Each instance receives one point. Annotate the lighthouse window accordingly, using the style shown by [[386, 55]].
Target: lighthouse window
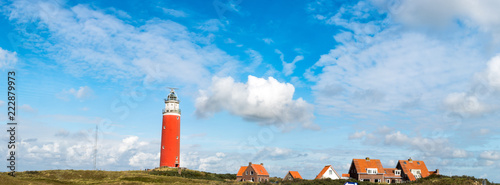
[[177, 137], [177, 117], [176, 157], [162, 147], [163, 127]]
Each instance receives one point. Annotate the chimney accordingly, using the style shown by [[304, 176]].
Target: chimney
[[250, 163], [262, 164], [437, 171], [410, 160], [367, 159]]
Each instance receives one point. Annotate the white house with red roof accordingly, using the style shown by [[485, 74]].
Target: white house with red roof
[[328, 172]]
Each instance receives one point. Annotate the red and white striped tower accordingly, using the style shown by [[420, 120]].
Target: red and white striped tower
[[170, 132]]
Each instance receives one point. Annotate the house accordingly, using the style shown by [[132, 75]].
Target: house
[[328, 172], [367, 169], [412, 170], [292, 175], [392, 175], [253, 173], [345, 176]]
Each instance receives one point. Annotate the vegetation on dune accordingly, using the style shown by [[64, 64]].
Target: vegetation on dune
[[193, 174], [433, 179], [171, 176]]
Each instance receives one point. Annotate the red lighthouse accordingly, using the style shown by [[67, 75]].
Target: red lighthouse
[[170, 132]]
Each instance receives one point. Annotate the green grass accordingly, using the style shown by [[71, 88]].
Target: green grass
[[171, 176]]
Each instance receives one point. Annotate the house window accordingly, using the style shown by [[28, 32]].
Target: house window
[[253, 179], [388, 181], [251, 173], [397, 172], [416, 173], [246, 173], [366, 180], [371, 170], [260, 180], [378, 180], [330, 172]]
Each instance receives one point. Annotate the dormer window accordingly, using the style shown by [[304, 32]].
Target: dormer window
[[416, 173], [371, 170], [397, 172]]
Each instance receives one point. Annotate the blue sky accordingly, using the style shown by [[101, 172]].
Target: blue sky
[[295, 85]]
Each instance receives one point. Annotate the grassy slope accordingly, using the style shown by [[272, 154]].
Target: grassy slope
[[105, 177], [170, 176]]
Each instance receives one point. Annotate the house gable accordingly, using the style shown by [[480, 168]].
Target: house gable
[[409, 166], [252, 172], [291, 175], [328, 172]]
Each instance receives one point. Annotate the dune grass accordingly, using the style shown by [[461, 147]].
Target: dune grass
[[99, 177], [171, 176]]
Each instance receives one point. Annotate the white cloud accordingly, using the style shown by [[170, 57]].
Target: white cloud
[[76, 150], [7, 59], [267, 102], [273, 153], [358, 135], [212, 25], [464, 104], [229, 41], [430, 147], [481, 97], [268, 40], [255, 60], [82, 93], [381, 67], [27, 108], [490, 155], [175, 13], [492, 73], [88, 41], [445, 14], [219, 162], [144, 160], [288, 67]]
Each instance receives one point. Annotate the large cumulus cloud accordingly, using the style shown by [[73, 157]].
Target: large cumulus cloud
[[265, 101]]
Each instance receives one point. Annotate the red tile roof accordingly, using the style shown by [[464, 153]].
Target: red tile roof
[[240, 172], [345, 175], [259, 169], [295, 174], [408, 165], [389, 172], [362, 164], [324, 170]]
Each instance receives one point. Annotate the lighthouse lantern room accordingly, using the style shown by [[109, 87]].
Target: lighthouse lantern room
[[170, 132]]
